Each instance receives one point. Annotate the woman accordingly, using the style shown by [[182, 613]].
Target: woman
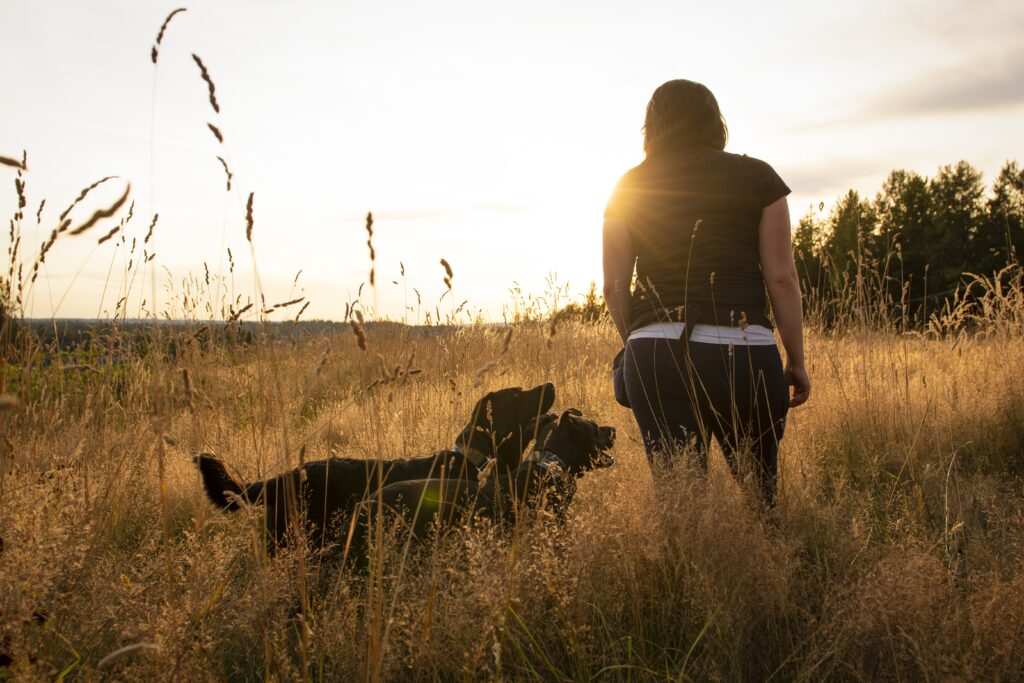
[[707, 232]]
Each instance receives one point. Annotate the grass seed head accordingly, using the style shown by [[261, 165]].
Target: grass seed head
[[154, 54], [285, 304], [373, 253], [485, 471], [323, 361], [205, 74], [552, 330], [8, 161], [152, 226], [482, 371], [356, 322], [447, 273], [189, 391], [507, 341], [301, 311], [100, 214], [248, 218], [235, 315], [82, 195], [113, 231], [216, 132], [227, 172]]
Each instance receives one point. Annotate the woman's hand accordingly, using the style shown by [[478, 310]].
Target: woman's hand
[[796, 376]]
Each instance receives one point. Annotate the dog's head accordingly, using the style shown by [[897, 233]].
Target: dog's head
[[580, 443], [498, 424]]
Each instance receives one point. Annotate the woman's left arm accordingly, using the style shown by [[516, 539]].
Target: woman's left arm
[[619, 260]]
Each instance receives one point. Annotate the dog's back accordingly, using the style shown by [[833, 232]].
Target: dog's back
[[322, 491]]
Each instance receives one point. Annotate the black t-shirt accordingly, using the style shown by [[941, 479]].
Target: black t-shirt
[[693, 219]]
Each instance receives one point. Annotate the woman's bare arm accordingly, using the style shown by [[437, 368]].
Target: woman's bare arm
[[619, 259], [775, 244]]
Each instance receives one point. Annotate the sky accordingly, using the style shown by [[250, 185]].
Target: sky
[[489, 134]]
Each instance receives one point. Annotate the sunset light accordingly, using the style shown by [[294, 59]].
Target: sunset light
[[491, 138], [462, 340]]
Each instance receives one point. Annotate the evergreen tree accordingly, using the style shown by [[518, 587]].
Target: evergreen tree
[[807, 250], [851, 227], [1005, 210], [903, 208], [958, 243]]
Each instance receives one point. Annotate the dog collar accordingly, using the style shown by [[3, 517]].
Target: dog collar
[[476, 458], [545, 459]]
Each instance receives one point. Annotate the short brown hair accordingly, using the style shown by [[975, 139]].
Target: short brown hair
[[683, 113]]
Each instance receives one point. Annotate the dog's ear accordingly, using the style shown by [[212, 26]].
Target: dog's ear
[[540, 427], [569, 412], [494, 398], [490, 404], [547, 396]]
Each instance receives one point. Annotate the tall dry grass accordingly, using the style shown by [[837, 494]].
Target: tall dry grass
[[896, 552]]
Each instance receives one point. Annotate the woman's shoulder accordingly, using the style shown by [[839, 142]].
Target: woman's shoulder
[[744, 161], [695, 159], [760, 176], [703, 162], [632, 174], [631, 182], [623, 201]]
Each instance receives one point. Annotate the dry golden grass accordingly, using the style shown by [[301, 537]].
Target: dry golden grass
[[896, 551]]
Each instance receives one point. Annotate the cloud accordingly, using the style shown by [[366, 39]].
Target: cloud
[[967, 22], [830, 175], [990, 84]]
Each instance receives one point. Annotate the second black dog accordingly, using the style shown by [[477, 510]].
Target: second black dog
[[567, 447]]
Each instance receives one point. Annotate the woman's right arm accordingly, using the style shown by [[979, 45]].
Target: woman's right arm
[[775, 244], [619, 258]]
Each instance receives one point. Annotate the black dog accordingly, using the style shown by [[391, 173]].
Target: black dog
[[327, 491], [567, 447]]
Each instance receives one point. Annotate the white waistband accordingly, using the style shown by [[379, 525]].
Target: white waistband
[[751, 335]]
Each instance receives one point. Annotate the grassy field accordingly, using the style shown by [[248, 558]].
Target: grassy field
[[897, 551]]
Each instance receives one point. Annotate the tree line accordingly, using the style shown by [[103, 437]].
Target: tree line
[[915, 241]]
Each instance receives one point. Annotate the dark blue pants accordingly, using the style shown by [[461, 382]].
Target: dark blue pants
[[683, 393]]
